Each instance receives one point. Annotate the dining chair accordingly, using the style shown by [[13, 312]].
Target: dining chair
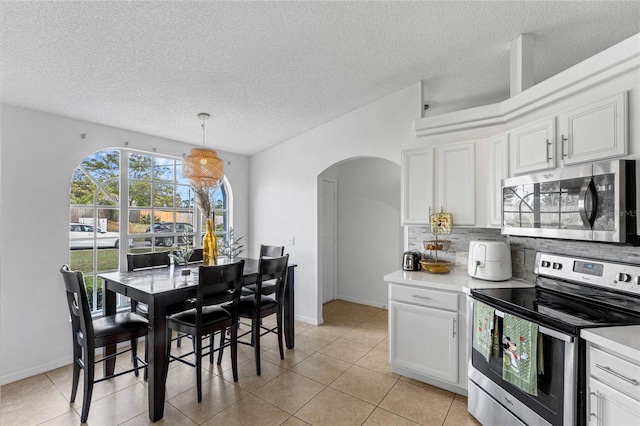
[[137, 261], [88, 334], [218, 294], [196, 256], [267, 300], [265, 251]]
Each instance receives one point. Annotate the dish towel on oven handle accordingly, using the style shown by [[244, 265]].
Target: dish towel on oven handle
[[483, 321], [520, 353]]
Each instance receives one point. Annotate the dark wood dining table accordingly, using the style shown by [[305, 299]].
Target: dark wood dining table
[[165, 291]]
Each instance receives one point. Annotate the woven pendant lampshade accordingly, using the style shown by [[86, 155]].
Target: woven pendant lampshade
[[202, 166]]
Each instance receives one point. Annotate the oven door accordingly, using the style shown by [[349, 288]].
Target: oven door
[[556, 400]]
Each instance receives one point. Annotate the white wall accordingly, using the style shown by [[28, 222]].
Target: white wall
[[284, 181], [370, 237], [40, 151]]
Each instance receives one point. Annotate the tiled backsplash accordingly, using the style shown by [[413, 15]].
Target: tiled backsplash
[[460, 238]]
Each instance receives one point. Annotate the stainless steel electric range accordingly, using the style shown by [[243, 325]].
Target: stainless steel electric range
[[570, 294]]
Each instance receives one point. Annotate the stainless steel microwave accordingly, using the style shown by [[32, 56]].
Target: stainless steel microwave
[[594, 202]]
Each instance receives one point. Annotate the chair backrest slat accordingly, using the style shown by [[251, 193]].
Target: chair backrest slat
[[271, 251], [137, 261], [219, 284], [77, 301], [274, 270]]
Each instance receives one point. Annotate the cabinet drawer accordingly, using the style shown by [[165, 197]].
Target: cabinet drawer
[[615, 372], [424, 297]]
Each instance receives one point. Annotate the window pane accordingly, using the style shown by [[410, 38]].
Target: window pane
[[163, 169], [107, 259], [139, 194], [219, 200], [82, 188], [103, 165], [184, 196], [139, 167], [163, 195], [179, 178]]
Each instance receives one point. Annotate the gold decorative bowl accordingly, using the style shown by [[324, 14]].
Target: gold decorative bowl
[[436, 267]]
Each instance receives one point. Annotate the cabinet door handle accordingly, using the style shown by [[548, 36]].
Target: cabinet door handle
[[563, 139], [548, 156], [634, 382], [417, 296], [454, 328]]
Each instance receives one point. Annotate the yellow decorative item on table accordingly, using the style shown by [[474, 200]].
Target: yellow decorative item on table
[[209, 246]]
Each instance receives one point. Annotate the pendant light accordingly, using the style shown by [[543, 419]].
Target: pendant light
[[202, 166]]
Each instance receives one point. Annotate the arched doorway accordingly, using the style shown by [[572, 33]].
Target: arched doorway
[[359, 232]]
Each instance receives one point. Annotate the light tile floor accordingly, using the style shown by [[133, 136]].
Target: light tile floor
[[337, 374]]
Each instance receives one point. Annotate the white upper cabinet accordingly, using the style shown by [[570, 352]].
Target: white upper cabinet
[[594, 131], [457, 182], [532, 146], [417, 186], [450, 188], [498, 169]]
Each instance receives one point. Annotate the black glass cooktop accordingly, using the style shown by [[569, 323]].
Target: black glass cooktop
[[564, 306]]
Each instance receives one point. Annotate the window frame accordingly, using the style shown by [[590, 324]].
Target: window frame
[[123, 209]]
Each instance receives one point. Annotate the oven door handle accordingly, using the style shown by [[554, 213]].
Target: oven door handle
[[545, 330]]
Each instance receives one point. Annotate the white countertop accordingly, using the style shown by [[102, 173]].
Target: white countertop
[[624, 340], [456, 280]]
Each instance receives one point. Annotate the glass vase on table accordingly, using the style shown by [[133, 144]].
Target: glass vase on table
[[181, 255]]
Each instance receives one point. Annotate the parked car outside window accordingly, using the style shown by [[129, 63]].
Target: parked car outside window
[[82, 235], [170, 227]]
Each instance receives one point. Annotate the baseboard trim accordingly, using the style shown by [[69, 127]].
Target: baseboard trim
[[34, 371], [362, 301]]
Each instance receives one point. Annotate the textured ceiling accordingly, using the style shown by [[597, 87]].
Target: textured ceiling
[[268, 71]]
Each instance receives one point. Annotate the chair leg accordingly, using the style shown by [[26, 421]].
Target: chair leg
[[255, 337], [198, 352], [234, 352], [134, 355], [146, 357], [168, 354], [211, 338], [222, 339], [279, 325], [77, 356], [179, 339], [89, 370]]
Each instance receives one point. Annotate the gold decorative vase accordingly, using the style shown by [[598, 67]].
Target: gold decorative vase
[[209, 246]]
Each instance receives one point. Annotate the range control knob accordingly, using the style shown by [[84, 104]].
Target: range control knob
[[625, 278], [545, 264], [557, 266]]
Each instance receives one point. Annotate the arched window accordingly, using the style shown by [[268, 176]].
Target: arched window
[[142, 199]]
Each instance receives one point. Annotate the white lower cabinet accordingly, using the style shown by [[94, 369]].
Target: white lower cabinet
[[614, 389], [610, 407], [427, 336]]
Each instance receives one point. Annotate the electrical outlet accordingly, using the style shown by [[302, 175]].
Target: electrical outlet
[[520, 257], [292, 241]]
